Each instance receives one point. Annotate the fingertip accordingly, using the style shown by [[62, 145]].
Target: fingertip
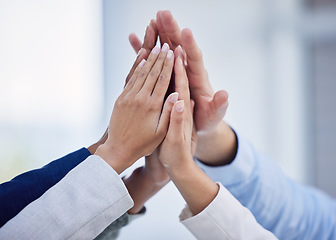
[[186, 34], [179, 106], [131, 36], [222, 95], [135, 42], [178, 51], [158, 14], [166, 14], [221, 99], [173, 97], [152, 22], [142, 63]]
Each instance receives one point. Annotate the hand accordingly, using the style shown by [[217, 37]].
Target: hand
[[137, 125], [217, 143], [177, 145], [151, 35], [210, 107], [149, 43], [176, 150], [146, 181]]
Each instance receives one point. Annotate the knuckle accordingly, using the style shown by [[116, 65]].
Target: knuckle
[[154, 72], [163, 77], [139, 99], [125, 101], [142, 74], [179, 120]]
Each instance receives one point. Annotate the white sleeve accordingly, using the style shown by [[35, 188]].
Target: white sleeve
[[80, 206], [224, 218]]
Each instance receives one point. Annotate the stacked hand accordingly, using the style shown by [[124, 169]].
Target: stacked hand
[[142, 124], [137, 124], [216, 140]]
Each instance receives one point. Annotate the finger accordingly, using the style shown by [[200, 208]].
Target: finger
[[178, 52], [143, 73], [143, 53], [161, 31], [135, 42], [175, 129], [219, 104], [181, 80], [131, 82], [150, 36], [156, 73], [166, 111], [194, 54], [163, 80], [171, 28]]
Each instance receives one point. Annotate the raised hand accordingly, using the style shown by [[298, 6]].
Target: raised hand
[[210, 106], [176, 151], [217, 142], [177, 144], [137, 125]]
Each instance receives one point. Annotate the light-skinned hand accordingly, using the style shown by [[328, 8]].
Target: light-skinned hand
[[137, 125]]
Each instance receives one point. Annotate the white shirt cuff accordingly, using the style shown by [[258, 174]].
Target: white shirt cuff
[[224, 218]]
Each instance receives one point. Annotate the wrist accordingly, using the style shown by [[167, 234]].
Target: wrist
[[181, 167], [158, 177], [114, 158], [217, 147], [93, 148]]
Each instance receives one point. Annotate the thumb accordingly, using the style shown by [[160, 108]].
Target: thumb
[[219, 104]]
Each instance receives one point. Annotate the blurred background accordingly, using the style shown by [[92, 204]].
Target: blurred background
[[63, 63]]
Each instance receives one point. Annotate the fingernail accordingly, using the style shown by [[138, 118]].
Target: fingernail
[[156, 50], [179, 106], [170, 54], [173, 97], [140, 51], [143, 61], [165, 47], [179, 60]]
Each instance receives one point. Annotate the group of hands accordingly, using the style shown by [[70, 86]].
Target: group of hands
[[167, 131]]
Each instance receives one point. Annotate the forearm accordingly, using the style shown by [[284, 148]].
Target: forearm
[[79, 206], [218, 147], [141, 186], [197, 189], [16, 194], [281, 205]]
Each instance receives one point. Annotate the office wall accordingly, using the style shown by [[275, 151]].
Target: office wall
[[51, 79]]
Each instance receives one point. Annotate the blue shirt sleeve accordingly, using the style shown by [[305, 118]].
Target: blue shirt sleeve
[[287, 208], [25, 188]]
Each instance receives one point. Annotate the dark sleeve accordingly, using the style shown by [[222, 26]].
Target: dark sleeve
[[25, 188]]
